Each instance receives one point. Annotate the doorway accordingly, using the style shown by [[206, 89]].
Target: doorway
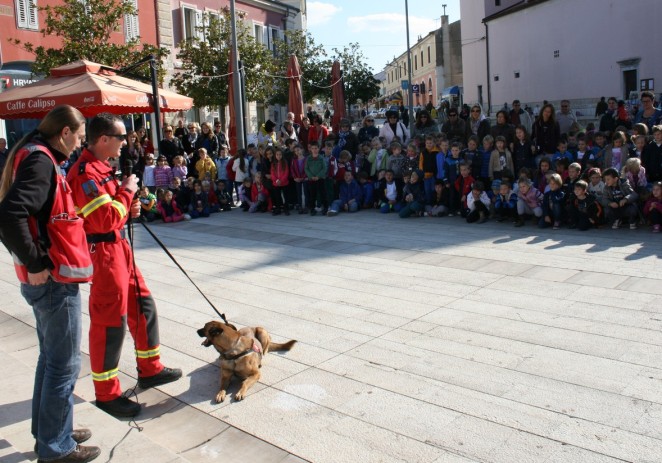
[[629, 82]]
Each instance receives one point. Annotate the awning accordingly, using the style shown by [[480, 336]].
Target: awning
[[395, 97], [91, 88], [454, 90]]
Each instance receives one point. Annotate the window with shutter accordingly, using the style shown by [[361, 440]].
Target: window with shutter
[[258, 32], [131, 30], [189, 23], [26, 14], [199, 26]]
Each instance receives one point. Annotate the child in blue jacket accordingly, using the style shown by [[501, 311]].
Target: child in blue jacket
[[351, 196], [553, 203]]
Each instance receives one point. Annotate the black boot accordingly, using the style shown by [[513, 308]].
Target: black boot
[[167, 375], [120, 407]]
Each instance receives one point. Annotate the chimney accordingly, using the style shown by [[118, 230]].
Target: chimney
[[444, 20]]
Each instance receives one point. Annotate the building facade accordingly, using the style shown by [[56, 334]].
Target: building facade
[[164, 23], [178, 20], [551, 50], [22, 20], [436, 64]]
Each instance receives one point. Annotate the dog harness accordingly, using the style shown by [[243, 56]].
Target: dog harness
[[255, 348]]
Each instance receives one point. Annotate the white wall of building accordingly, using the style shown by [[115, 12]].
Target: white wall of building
[[590, 38], [474, 67]]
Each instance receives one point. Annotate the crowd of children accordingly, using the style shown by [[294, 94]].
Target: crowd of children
[[586, 183]]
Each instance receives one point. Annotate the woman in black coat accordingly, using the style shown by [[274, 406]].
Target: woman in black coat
[[368, 131], [546, 132]]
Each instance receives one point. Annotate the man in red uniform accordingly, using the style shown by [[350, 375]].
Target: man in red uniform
[[118, 292]]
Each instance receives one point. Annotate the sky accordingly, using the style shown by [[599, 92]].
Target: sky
[[379, 26]]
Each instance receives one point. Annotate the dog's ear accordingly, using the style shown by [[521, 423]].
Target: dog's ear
[[214, 331]]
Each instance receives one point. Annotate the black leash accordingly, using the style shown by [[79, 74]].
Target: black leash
[[165, 249]]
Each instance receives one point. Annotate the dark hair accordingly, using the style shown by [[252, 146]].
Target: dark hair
[[647, 94], [101, 125], [241, 154], [439, 181], [478, 185], [581, 184], [552, 116], [610, 172], [313, 143]]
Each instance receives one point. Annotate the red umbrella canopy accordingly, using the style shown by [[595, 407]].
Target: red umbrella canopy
[[89, 87], [232, 123], [338, 96], [295, 97]]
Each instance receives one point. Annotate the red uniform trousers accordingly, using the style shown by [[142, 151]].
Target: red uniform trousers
[[113, 301]]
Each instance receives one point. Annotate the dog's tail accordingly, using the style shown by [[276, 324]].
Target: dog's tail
[[286, 346]]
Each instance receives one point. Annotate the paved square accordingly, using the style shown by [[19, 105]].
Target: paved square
[[420, 340]]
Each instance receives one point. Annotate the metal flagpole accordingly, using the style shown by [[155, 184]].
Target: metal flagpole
[[236, 83]]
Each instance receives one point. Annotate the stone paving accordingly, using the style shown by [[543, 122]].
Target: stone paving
[[420, 340]]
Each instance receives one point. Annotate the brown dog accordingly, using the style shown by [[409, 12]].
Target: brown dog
[[241, 353]]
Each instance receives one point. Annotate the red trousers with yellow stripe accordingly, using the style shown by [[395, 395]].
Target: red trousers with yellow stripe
[[114, 301]]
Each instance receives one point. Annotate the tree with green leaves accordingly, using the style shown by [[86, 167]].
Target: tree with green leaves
[[205, 57], [311, 61], [85, 28], [359, 83]]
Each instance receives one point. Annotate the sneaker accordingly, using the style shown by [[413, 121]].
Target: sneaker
[[616, 224], [165, 376], [81, 454], [331, 213], [78, 435], [324, 211], [633, 226], [120, 407], [483, 218], [556, 225], [656, 228], [451, 214], [313, 212], [187, 217], [519, 223]]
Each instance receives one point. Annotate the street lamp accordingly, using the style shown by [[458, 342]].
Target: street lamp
[[409, 92]]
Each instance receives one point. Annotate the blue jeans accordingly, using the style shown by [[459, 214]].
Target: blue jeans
[[338, 206], [57, 309], [408, 209]]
